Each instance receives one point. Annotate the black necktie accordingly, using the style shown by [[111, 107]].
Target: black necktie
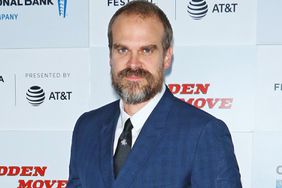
[[123, 147]]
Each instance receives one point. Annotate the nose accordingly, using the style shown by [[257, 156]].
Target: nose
[[134, 61]]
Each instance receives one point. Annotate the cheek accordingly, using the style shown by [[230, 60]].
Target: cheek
[[115, 68], [118, 61], [155, 66], [113, 63]]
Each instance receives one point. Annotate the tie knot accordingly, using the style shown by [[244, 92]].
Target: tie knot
[[127, 126]]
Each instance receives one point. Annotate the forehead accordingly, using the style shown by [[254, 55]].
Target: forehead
[[149, 16], [137, 26]]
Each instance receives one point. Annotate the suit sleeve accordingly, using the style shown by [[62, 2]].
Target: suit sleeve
[[74, 180], [215, 164]]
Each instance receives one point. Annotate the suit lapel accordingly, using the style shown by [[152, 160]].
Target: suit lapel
[[106, 147], [145, 144]]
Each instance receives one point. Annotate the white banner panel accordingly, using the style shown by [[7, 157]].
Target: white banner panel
[[34, 158], [101, 89], [217, 79], [225, 22], [269, 17], [44, 89], [217, 22], [243, 144], [267, 165], [44, 23], [269, 88]]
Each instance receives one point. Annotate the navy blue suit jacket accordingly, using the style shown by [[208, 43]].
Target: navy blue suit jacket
[[179, 146]]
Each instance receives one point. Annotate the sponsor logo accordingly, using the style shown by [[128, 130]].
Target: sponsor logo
[[35, 95], [190, 92], [122, 2], [197, 9], [224, 8], [1, 79], [12, 16], [60, 95], [31, 172], [62, 7], [277, 86], [25, 2]]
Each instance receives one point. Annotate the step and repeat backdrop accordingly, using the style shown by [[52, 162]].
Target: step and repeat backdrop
[[54, 65]]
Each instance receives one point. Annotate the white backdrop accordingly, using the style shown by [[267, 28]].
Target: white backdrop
[[235, 50]]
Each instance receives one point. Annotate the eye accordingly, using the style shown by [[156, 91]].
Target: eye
[[147, 50], [122, 50]]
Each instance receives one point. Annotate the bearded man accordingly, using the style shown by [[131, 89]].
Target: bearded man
[[148, 138]]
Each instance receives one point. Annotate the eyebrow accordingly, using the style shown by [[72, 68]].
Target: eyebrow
[[115, 46], [151, 46]]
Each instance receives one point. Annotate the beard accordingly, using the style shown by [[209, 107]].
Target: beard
[[134, 92]]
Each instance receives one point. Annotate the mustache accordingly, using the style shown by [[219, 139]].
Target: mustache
[[134, 72]]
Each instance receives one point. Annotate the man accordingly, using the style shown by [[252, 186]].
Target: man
[[149, 138]]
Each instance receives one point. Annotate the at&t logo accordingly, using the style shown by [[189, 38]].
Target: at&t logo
[[224, 8], [197, 9], [60, 95], [35, 95], [62, 7]]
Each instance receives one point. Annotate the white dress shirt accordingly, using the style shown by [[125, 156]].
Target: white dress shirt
[[138, 119]]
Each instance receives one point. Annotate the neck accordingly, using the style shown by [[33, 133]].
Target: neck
[[131, 109]]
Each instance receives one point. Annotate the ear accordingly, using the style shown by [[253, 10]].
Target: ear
[[110, 56], [110, 59], [168, 58]]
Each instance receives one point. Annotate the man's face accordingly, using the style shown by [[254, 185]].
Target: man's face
[[137, 58]]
